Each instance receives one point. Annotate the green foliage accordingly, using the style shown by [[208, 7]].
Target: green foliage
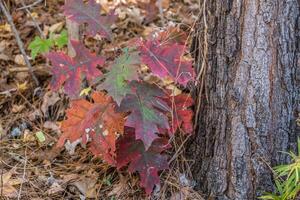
[[287, 179], [62, 39], [123, 70], [40, 46]]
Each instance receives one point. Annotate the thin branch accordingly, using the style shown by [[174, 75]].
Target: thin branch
[[19, 41], [24, 174], [34, 21], [31, 5]]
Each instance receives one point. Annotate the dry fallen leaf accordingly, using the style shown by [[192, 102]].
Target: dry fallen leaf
[[5, 27], [50, 98], [28, 136], [52, 126], [119, 188], [4, 57], [174, 89], [55, 28], [54, 188], [22, 86], [17, 108], [87, 187], [7, 189], [19, 59]]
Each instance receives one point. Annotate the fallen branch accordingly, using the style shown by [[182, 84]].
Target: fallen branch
[[25, 69], [19, 41]]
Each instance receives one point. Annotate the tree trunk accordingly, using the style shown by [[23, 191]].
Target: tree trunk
[[251, 95]]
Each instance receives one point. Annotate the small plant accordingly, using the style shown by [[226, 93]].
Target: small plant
[[125, 120], [287, 179], [40, 46]]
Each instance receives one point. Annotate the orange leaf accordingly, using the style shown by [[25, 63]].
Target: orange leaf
[[98, 122]]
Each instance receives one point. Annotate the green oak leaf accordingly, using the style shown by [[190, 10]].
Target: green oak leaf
[[39, 45], [122, 72], [147, 111], [62, 39]]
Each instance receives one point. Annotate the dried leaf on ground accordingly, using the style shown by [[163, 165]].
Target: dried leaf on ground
[[49, 99], [121, 187], [8, 188], [87, 187]]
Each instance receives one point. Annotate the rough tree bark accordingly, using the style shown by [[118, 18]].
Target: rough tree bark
[[251, 96]]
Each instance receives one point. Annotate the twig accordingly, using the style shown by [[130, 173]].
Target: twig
[[74, 34], [204, 66], [25, 69], [24, 174], [19, 41], [34, 21], [31, 5], [161, 12]]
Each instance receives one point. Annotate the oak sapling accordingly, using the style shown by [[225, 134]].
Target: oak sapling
[[127, 120]]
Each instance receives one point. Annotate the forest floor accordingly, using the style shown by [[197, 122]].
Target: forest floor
[[34, 169]]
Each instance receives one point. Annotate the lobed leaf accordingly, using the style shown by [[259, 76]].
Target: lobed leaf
[[78, 11], [147, 162], [117, 79], [39, 46], [182, 117], [165, 60], [98, 121], [147, 111], [71, 71], [61, 39]]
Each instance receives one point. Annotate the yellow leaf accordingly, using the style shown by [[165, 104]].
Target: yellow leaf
[[22, 86], [34, 15], [174, 89], [5, 27], [85, 91]]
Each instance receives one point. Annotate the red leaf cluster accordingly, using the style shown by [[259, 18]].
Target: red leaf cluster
[[149, 114]]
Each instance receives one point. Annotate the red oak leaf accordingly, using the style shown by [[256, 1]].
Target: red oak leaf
[[71, 71], [165, 60], [146, 109], [146, 162], [98, 121], [182, 117], [78, 11]]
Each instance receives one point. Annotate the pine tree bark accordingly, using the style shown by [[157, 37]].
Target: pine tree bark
[[251, 95]]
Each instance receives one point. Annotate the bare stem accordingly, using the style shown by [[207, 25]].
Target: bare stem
[[19, 41]]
